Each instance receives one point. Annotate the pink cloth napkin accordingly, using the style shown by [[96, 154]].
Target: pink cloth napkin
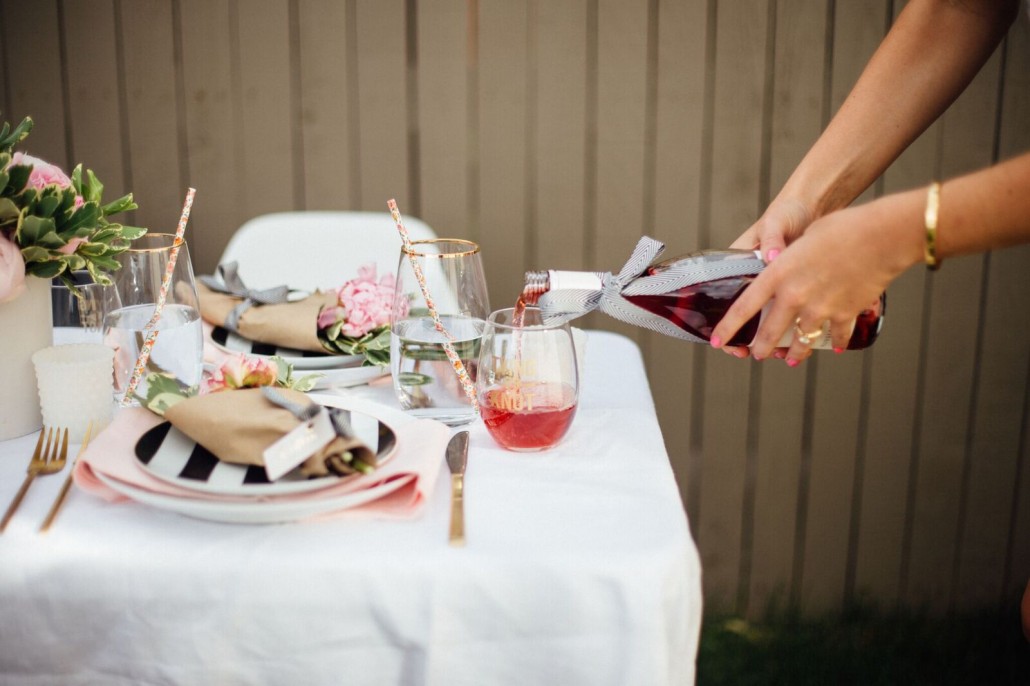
[[418, 460]]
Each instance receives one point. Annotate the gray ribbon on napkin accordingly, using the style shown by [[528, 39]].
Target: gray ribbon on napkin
[[565, 304], [230, 283], [304, 412]]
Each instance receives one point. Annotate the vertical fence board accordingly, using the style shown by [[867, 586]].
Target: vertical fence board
[[36, 88], [739, 94], [267, 163], [559, 153], [679, 128], [503, 147], [97, 136], [444, 125], [797, 120], [330, 167], [212, 128], [621, 95], [152, 113], [383, 106], [954, 311], [894, 397]]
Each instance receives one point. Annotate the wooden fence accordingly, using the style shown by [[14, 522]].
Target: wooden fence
[[555, 133]]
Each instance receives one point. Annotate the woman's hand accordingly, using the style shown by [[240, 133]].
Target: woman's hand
[[838, 268], [782, 223]]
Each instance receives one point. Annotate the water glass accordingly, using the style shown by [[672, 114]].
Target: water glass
[[528, 379], [424, 379], [139, 282], [78, 314]]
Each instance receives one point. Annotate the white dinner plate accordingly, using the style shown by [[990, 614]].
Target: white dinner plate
[[231, 342], [170, 455], [256, 512]]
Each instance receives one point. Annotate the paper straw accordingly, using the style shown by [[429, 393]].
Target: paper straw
[[452, 355], [150, 331]]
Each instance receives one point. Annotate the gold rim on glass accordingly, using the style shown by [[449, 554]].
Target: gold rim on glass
[[160, 248], [473, 248]]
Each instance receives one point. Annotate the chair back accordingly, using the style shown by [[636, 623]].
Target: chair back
[[317, 250]]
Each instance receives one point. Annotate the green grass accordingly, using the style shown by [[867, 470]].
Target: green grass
[[865, 647]]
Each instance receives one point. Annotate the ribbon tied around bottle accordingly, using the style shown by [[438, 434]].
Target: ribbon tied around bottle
[[230, 283], [566, 304]]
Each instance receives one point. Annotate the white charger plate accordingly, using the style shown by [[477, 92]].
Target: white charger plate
[[233, 343], [167, 454], [257, 512]]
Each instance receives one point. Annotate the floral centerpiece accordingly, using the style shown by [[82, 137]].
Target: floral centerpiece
[[359, 322], [52, 224]]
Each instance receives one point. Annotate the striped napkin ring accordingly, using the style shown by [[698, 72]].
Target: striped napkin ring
[[803, 337]]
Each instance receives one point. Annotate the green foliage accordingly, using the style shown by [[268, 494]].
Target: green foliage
[[43, 222], [374, 345]]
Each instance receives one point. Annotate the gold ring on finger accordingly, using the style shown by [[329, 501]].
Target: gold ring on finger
[[806, 338]]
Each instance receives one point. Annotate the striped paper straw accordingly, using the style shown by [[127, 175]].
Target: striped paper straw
[[150, 332], [452, 355]]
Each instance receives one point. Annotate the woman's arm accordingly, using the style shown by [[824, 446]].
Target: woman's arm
[[928, 57], [847, 258]]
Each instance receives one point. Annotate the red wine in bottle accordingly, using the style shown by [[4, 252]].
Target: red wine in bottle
[[697, 308]]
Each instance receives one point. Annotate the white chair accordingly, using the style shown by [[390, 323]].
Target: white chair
[[308, 249]]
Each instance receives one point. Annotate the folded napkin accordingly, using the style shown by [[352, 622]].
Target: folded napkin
[[237, 426], [287, 325], [417, 461]]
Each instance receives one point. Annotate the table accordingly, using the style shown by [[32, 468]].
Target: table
[[579, 569]]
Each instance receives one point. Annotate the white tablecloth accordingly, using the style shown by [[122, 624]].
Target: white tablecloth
[[579, 569]]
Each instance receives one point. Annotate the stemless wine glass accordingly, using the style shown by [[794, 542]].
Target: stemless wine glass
[[528, 379], [179, 347], [424, 379]]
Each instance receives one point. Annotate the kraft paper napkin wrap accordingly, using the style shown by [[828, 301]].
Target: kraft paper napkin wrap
[[289, 325], [237, 426]]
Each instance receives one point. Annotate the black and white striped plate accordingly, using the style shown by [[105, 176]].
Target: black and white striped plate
[[231, 342], [170, 455]]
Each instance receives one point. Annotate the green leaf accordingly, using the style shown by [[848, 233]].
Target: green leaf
[[45, 270], [413, 379], [34, 228], [34, 253], [131, 233], [93, 190], [48, 204], [8, 210], [122, 204], [18, 177]]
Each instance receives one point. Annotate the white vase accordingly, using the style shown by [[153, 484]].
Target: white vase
[[26, 325]]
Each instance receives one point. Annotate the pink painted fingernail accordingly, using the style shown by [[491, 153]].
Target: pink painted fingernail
[[741, 353], [791, 362], [838, 350], [772, 255], [716, 342]]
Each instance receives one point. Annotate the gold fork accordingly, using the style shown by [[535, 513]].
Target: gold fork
[[48, 460]]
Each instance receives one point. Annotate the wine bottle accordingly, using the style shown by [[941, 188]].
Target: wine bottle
[[684, 296]]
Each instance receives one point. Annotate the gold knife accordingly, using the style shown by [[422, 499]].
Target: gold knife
[[67, 484], [457, 456]]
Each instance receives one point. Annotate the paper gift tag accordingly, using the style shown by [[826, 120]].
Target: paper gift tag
[[298, 445]]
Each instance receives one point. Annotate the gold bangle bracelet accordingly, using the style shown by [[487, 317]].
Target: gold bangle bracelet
[[933, 201]]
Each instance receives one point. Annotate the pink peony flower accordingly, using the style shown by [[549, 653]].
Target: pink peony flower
[[366, 301], [12, 270], [44, 174], [242, 372]]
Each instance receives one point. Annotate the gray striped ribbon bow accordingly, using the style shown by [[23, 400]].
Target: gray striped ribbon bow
[[230, 283], [565, 304], [305, 412]]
